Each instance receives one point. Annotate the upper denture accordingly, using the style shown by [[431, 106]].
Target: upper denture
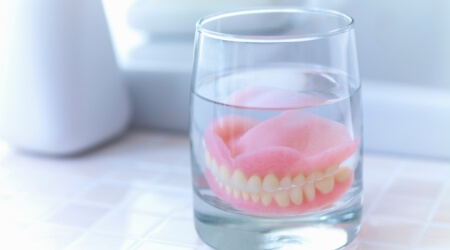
[[293, 142], [288, 163]]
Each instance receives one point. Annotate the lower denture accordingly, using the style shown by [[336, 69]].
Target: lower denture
[[287, 164]]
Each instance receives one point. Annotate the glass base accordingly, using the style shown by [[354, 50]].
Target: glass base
[[223, 230]]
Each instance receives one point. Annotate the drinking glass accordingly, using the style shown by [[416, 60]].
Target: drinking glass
[[276, 130]]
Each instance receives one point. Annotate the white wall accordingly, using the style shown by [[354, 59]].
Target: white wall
[[406, 41]]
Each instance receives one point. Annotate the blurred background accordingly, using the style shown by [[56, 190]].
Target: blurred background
[[404, 56], [77, 74]]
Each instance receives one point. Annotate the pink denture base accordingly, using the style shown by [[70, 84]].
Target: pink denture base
[[291, 143]]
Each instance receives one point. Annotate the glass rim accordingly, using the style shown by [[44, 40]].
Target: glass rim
[[270, 39]]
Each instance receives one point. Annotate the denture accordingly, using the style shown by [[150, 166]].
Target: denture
[[291, 163]]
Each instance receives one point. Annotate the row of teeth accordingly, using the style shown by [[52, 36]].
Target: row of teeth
[[270, 183], [270, 187]]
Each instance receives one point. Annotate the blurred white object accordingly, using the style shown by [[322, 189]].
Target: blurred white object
[[154, 42], [141, 25], [60, 88]]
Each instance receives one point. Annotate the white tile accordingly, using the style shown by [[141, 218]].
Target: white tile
[[87, 165], [78, 215], [171, 149], [11, 233], [436, 236], [28, 208], [11, 228], [175, 180], [45, 237], [374, 183], [5, 189], [446, 197], [93, 167], [128, 223], [378, 171], [415, 188], [166, 168], [107, 193], [389, 231], [10, 185], [161, 246], [100, 241], [147, 177], [164, 155], [186, 212], [131, 145], [31, 164], [135, 174], [4, 197], [4, 149], [442, 214], [3, 173], [60, 186], [427, 169], [370, 196], [403, 207], [180, 231], [158, 201]]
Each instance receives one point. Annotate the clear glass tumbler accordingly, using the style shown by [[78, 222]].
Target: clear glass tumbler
[[276, 130]]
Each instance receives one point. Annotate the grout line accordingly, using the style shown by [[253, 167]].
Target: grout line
[[167, 217], [146, 235], [398, 168], [113, 209], [384, 188], [74, 199], [135, 245], [436, 203], [139, 239], [94, 182], [440, 224], [425, 223], [49, 213], [89, 231]]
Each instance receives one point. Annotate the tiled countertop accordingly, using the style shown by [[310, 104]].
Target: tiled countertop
[[135, 193]]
